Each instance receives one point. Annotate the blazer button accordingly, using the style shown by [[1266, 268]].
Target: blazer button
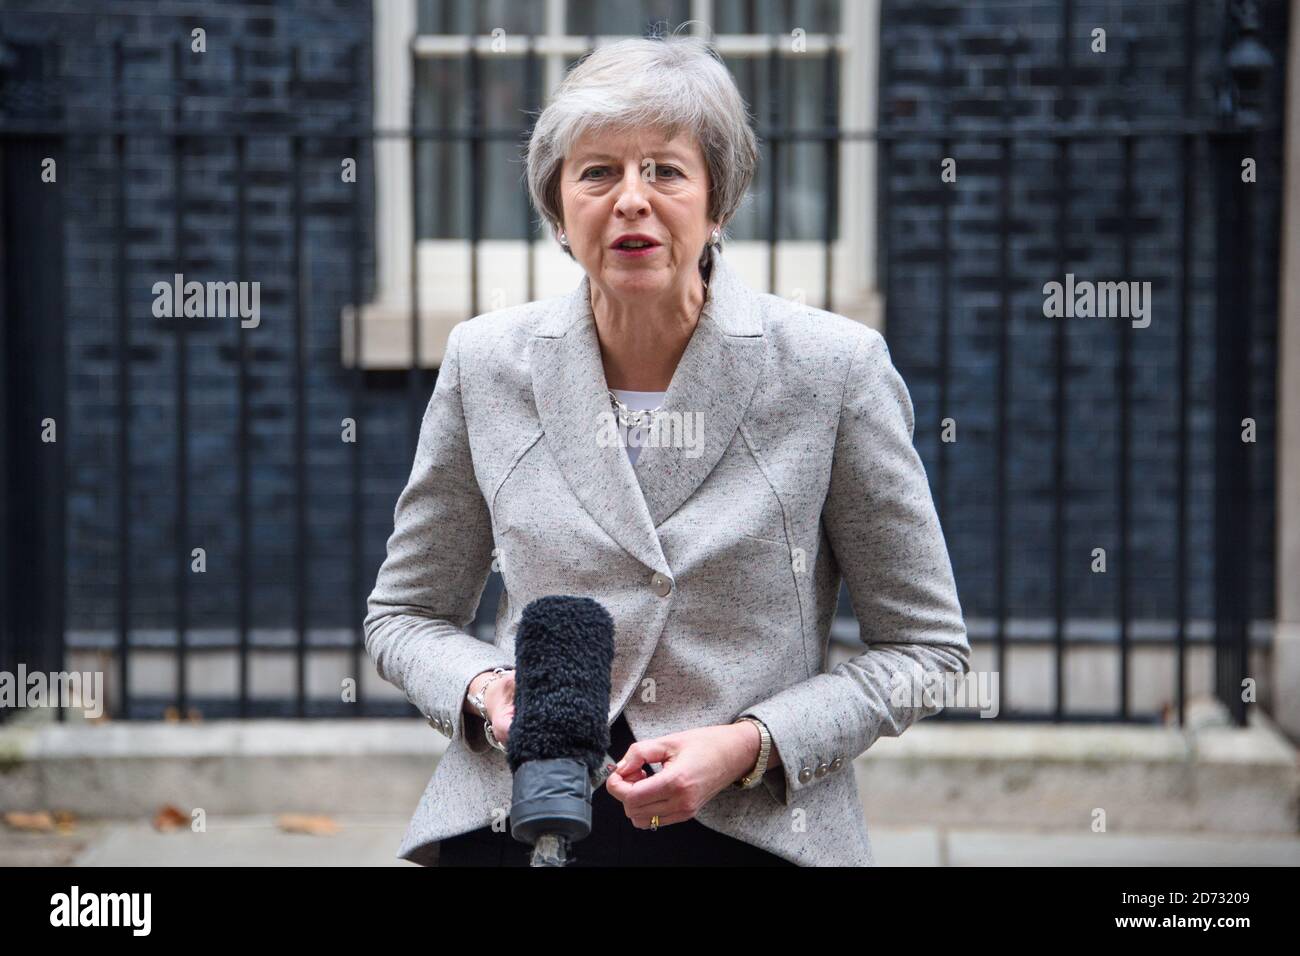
[[837, 763], [661, 584], [805, 775], [822, 769]]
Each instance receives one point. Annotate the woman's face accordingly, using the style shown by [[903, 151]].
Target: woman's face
[[616, 184]]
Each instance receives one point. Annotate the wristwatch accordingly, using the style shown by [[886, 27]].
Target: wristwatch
[[481, 706], [755, 776]]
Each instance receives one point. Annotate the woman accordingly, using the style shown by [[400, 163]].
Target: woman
[[763, 450]]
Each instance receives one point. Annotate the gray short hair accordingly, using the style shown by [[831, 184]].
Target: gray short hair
[[677, 83]]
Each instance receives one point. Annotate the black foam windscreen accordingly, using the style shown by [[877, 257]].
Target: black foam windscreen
[[563, 653]]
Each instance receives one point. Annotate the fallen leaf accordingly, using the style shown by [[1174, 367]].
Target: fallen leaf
[[169, 818], [305, 823], [40, 820]]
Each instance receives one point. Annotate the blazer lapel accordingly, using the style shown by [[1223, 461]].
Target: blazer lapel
[[709, 392]]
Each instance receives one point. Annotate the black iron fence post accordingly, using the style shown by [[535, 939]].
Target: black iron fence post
[[1246, 63], [33, 380]]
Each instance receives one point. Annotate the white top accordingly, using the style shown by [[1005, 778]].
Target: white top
[[633, 438]]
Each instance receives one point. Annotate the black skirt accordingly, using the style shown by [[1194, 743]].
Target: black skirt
[[613, 840]]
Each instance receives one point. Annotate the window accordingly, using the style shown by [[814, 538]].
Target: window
[[451, 181], [455, 65]]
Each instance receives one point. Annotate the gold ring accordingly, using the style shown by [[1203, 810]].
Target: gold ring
[[654, 822]]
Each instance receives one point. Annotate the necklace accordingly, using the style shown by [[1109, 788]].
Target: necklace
[[633, 417], [644, 417]]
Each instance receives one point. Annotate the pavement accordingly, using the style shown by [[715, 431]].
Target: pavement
[[960, 793], [372, 840]]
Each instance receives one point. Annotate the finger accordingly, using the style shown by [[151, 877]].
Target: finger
[[620, 785], [643, 752], [673, 803], [642, 820], [650, 790]]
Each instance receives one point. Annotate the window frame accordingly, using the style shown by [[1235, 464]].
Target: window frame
[[444, 264]]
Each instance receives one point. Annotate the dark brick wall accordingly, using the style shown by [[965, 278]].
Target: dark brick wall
[[914, 92], [332, 43]]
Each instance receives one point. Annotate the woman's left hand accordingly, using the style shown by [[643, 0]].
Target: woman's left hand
[[697, 764]]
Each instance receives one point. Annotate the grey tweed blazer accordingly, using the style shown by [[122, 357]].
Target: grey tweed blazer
[[719, 559]]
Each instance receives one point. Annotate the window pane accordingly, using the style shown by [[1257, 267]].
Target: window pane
[[776, 16], [443, 167], [618, 17], [443, 16], [801, 187], [457, 16]]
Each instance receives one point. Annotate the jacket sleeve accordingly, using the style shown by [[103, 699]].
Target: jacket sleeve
[[439, 556], [883, 529]]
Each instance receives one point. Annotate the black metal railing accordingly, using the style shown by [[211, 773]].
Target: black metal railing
[[1223, 137]]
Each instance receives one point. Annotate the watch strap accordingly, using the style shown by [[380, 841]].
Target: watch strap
[[755, 776]]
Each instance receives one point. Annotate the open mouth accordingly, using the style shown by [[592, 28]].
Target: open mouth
[[634, 245]]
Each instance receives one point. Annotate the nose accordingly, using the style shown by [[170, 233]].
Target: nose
[[633, 197]]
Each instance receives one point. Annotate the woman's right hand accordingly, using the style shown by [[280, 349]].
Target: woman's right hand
[[499, 702]]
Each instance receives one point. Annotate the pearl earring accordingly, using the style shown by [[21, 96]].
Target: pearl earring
[[716, 237], [564, 240]]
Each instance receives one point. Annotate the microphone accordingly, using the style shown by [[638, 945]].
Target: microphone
[[559, 737]]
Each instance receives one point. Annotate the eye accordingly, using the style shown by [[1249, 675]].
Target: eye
[[672, 171], [591, 169]]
